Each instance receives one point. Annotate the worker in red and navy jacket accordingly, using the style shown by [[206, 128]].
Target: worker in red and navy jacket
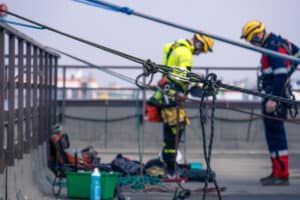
[[275, 75]]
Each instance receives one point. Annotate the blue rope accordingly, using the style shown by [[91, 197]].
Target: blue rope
[[129, 11], [20, 24], [107, 6]]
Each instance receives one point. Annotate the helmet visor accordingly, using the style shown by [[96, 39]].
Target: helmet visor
[[198, 45], [255, 40]]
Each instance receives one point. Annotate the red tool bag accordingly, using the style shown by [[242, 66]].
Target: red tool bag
[[152, 113]]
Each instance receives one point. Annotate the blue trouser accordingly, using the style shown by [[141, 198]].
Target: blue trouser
[[277, 143], [275, 131]]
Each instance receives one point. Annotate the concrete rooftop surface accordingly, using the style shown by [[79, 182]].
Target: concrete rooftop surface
[[238, 171]]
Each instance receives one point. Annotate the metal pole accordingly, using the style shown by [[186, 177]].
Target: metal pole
[[40, 103], [20, 137], [2, 89], [64, 95], [35, 97], [11, 102], [55, 91], [28, 120], [105, 124]]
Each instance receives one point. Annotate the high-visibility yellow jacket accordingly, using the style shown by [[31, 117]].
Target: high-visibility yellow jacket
[[178, 54]]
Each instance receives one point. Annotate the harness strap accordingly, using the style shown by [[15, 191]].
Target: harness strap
[[172, 48]]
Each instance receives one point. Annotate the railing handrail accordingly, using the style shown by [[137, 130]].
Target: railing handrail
[[11, 30], [132, 67]]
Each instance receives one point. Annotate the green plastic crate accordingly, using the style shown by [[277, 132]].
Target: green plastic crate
[[108, 184], [79, 183]]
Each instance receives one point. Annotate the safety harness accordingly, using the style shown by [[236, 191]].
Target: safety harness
[[287, 90], [172, 48]]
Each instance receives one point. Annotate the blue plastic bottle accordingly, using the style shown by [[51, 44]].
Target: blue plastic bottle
[[95, 185]]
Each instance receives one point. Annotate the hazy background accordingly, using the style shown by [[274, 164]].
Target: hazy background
[[145, 39]]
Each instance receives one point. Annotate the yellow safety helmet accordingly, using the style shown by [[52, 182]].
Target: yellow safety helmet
[[206, 41], [251, 28]]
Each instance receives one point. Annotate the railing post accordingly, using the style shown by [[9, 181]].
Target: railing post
[[20, 137], [106, 103], [41, 95], [47, 97], [55, 92], [11, 101], [35, 98], [2, 87], [50, 94], [64, 95], [28, 99]]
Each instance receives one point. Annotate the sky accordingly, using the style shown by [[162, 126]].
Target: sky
[[145, 39]]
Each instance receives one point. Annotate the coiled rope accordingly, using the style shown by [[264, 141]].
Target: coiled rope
[[209, 87]]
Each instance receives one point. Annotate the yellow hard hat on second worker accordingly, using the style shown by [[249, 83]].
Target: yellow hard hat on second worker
[[251, 28], [207, 42]]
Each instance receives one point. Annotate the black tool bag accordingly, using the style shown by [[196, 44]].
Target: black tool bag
[[196, 174], [126, 166], [155, 162]]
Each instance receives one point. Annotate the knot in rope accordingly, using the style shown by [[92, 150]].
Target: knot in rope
[[149, 67], [211, 84], [211, 81]]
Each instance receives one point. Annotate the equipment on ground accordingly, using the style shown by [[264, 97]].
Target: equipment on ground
[[95, 185]]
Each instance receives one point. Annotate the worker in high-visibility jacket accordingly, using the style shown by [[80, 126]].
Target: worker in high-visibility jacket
[[275, 80], [174, 87]]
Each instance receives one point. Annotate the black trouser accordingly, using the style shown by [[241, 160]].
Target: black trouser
[[171, 144]]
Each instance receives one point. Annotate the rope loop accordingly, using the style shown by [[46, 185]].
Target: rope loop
[[149, 67]]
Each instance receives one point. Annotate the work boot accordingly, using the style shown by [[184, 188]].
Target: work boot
[[263, 179], [272, 181]]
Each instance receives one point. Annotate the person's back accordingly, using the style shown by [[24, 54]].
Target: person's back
[[178, 54]]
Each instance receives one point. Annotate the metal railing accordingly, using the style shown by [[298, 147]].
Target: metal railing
[[28, 76], [80, 92]]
